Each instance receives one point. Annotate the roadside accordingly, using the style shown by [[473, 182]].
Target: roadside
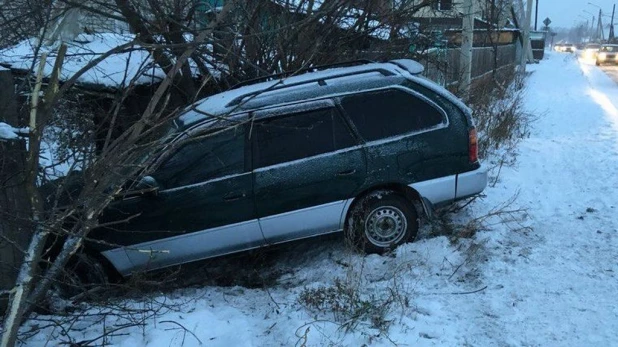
[[556, 285]]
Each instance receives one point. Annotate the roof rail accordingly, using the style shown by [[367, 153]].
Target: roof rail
[[301, 71], [320, 80], [412, 66]]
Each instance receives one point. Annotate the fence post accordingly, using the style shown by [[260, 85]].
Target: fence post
[[15, 232]]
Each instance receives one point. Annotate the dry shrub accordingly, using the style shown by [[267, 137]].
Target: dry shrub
[[348, 306], [498, 110]]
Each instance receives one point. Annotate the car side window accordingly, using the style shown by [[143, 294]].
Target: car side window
[[385, 113], [203, 157], [300, 135]]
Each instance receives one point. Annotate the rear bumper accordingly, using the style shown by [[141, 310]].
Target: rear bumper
[[471, 183], [445, 190]]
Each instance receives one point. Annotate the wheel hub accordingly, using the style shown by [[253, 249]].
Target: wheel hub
[[386, 225]]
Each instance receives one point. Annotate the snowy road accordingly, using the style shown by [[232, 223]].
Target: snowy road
[[612, 72], [559, 283], [554, 283]]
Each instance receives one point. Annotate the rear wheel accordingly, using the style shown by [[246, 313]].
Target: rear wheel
[[382, 221]]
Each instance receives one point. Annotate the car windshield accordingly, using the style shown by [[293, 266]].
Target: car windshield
[[609, 48], [593, 46]]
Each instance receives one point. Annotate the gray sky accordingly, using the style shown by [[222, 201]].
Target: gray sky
[[566, 13]]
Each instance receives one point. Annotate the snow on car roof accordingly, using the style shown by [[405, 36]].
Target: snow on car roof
[[226, 103]]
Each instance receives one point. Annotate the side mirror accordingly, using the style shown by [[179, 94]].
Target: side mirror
[[146, 182], [147, 186]]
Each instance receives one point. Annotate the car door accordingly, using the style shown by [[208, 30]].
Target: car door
[[409, 140], [307, 163], [203, 208]]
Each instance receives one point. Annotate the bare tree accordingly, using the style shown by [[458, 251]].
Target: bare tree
[[253, 38]]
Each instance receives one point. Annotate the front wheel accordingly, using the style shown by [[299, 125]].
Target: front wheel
[[598, 64], [382, 221], [81, 274]]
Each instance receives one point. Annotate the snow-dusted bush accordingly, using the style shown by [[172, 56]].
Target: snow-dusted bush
[[499, 114]]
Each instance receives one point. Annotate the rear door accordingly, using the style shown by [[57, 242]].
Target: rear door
[[408, 140], [307, 163]]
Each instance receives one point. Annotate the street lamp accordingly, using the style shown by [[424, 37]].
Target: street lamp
[[592, 25], [595, 5], [587, 23], [599, 23]]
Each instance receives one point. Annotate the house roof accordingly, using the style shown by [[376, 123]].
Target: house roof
[[114, 71], [134, 64]]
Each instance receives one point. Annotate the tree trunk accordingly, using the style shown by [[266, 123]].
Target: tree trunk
[[15, 230]]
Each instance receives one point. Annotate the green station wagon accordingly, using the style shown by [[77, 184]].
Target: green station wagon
[[366, 148]]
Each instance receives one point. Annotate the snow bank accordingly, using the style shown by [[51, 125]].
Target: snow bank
[[8, 132]]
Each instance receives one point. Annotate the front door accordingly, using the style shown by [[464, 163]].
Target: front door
[[306, 165], [204, 206]]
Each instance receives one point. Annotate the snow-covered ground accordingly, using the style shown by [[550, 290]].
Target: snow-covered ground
[[547, 277]]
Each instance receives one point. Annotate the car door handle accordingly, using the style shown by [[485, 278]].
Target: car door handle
[[347, 172], [234, 197]]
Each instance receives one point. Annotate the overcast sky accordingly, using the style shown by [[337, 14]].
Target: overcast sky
[[566, 13]]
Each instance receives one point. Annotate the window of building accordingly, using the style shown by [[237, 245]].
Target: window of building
[[443, 5]]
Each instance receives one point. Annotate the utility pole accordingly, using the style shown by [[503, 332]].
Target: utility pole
[[611, 26], [467, 40], [536, 15], [527, 48], [600, 26], [592, 29]]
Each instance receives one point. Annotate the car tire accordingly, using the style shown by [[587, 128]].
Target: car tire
[[598, 64], [381, 221], [82, 273]]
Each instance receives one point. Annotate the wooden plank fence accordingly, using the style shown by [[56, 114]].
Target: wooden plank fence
[[442, 65]]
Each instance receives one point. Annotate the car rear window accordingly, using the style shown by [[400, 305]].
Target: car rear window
[[387, 113]]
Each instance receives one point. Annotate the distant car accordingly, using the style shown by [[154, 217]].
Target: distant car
[[558, 47], [591, 50], [366, 148], [608, 54], [567, 47]]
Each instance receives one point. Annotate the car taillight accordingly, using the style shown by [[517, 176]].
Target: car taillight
[[473, 146]]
